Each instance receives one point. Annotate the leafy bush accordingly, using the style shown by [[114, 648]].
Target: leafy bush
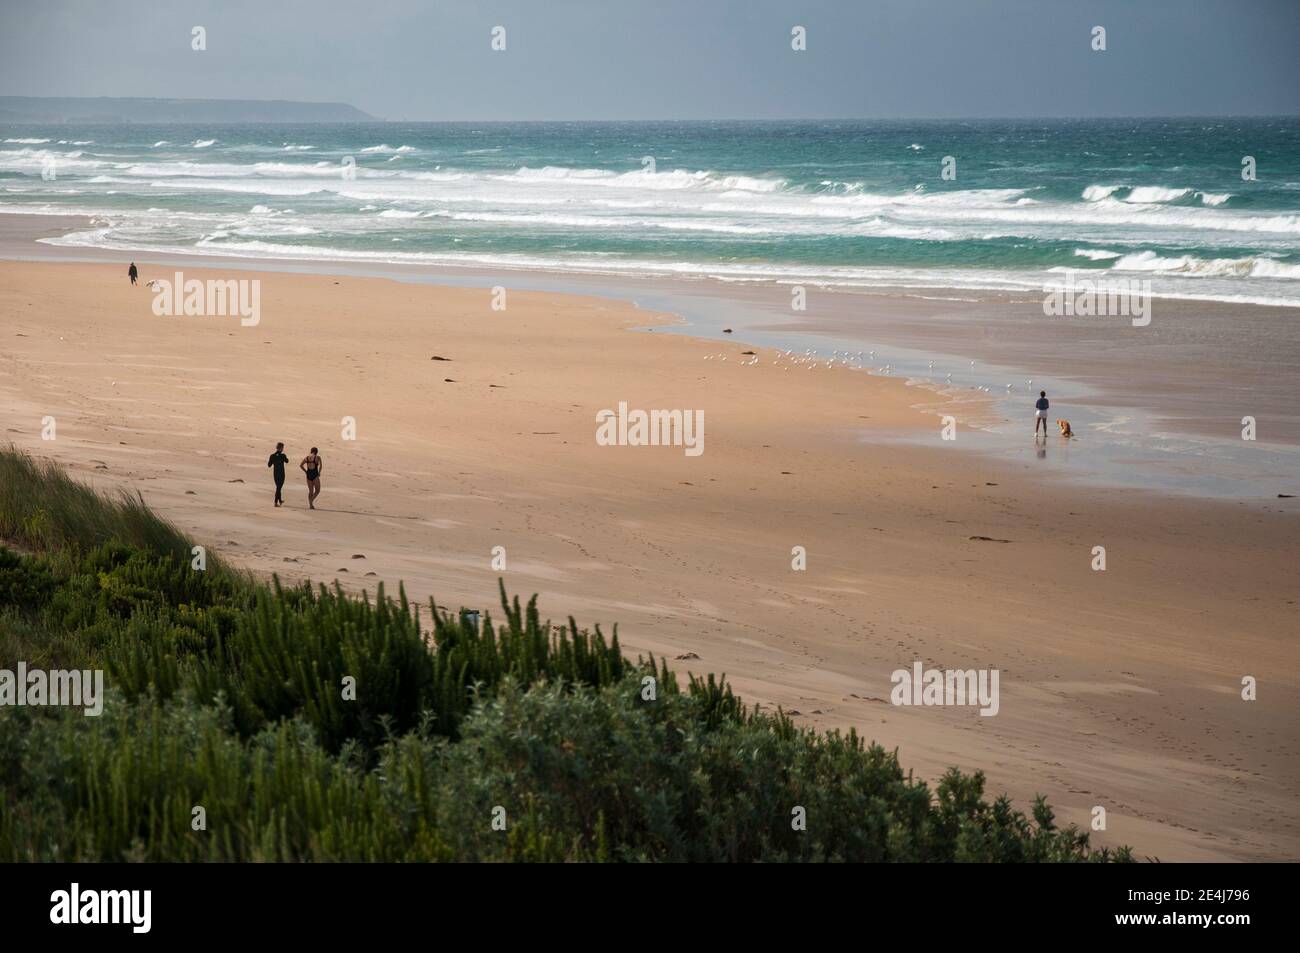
[[24, 583]]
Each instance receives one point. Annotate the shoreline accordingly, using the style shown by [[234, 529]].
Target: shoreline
[[1118, 686], [1146, 422]]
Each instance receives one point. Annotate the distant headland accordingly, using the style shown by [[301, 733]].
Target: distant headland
[[148, 110]]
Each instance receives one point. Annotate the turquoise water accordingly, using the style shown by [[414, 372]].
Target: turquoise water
[[843, 204]]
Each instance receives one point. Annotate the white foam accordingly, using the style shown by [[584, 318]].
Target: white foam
[[1252, 267], [1117, 225], [1268, 268], [1154, 194], [743, 202], [1095, 193], [905, 279], [672, 180]]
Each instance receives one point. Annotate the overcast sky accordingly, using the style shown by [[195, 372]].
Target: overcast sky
[[671, 59]]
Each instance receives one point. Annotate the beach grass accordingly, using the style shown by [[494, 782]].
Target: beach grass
[[43, 508]]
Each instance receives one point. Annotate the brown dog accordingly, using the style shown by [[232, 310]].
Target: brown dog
[[1065, 428]]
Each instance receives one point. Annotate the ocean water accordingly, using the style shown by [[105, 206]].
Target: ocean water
[[840, 204]]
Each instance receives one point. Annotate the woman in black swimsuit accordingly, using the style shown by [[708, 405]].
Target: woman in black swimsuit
[[311, 465]]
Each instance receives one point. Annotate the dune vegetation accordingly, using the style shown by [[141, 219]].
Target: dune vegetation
[[245, 720]]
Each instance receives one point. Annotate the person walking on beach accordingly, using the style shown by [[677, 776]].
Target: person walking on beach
[[1040, 413], [133, 273], [279, 461], [311, 465]]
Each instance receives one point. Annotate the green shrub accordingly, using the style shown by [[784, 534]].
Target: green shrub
[[24, 583]]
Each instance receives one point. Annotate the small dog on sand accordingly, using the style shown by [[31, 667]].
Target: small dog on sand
[[1065, 428]]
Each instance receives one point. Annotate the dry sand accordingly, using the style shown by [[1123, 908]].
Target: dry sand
[[1118, 688]]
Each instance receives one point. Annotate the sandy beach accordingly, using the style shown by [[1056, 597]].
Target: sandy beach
[[1120, 688]]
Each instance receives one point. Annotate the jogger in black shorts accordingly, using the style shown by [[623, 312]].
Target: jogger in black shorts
[[278, 461]]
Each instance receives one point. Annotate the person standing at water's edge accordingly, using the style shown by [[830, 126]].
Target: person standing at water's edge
[[132, 273], [312, 466], [279, 461], [1040, 413]]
